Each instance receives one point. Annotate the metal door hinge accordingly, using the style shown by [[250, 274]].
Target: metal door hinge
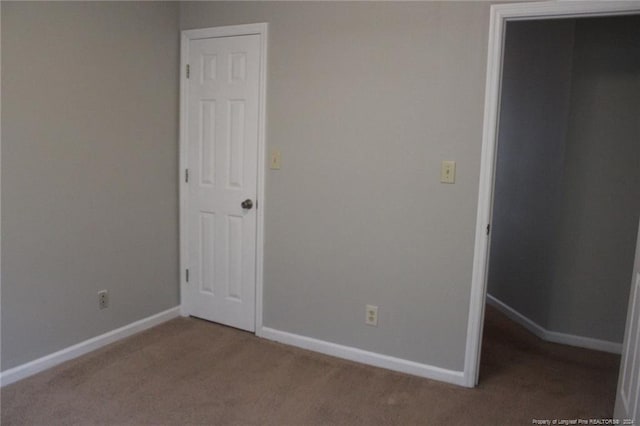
[[187, 275], [188, 70], [186, 175], [488, 228]]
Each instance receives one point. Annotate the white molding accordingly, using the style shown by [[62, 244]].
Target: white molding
[[227, 31], [260, 29], [262, 155], [0, 191], [30, 368], [485, 202], [625, 406], [516, 316], [564, 9], [499, 15], [554, 336], [364, 357], [182, 160]]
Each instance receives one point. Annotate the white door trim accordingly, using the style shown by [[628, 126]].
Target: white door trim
[[500, 14], [227, 31]]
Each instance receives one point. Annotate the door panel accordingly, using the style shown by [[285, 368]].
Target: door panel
[[628, 396], [222, 135]]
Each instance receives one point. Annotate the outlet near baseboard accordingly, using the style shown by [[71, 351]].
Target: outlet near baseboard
[[103, 299], [372, 315]]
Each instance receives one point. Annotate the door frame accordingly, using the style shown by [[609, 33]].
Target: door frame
[[261, 30], [500, 15]]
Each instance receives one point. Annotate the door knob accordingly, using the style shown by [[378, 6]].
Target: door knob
[[247, 204]]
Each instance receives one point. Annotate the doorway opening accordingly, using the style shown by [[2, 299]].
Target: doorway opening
[[560, 176], [567, 178]]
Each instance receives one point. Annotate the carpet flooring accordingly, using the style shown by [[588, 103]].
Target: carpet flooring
[[191, 372]]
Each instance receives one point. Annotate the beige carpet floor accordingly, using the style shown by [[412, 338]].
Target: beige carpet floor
[[189, 371]]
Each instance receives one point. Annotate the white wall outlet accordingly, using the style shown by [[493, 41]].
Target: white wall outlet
[[372, 315], [103, 299], [448, 172], [274, 162]]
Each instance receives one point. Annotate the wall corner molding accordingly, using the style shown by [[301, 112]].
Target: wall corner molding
[[364, 357], [23, 371], [554, 336]]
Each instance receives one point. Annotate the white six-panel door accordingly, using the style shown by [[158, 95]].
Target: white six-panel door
[[222, 105]]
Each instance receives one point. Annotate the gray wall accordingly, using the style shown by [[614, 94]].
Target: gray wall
[[364, 101], [89, 170], [564, 259], [596, 238], [534, 109]]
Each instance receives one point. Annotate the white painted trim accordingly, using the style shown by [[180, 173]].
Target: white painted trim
[[554, 336], [364, 357], [262, 155], [30, 368], [625, 407], [227, 31], [516, 316], [260, 29], [499, 16], [182, 160], [0, 191]]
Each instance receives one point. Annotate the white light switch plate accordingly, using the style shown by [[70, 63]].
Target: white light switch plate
[[274, 162], [448, 172]]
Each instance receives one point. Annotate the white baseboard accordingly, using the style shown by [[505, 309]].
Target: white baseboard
[[364, 357], [554, 336], [25, 370]]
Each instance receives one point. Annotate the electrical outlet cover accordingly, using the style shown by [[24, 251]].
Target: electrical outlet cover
[[103, 299], [371, 315]]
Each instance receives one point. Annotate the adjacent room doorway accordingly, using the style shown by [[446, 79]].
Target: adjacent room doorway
[[500, 16]]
